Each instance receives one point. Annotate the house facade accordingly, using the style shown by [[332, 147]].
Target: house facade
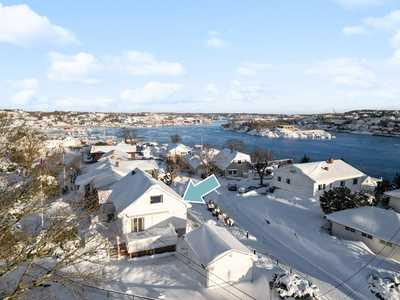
[[147, 209], [377, 228], [394, 200], [312, 179], [232, 164]]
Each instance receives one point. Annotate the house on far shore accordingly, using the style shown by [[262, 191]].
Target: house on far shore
[[232, 164], [217, 255], [377, 228], [394, 200], [312, 179], [153, 215]]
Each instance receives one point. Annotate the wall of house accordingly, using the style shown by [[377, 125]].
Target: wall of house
[[395, 203], [232, 267], [157, 214], [244, 167], [348, 183], [373, 244], [193, 261], [299, 183]]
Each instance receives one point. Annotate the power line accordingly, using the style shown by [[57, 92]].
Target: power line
[[362, 267]]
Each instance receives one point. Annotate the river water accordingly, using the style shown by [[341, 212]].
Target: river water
[[375, 156]]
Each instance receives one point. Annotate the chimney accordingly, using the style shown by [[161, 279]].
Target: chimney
[[117, 164], [155, 174], [327, 168], [112, 151], [330, 160]]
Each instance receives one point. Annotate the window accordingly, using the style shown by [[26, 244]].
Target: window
[[137, 224], [239, 162], [382, 242], [319, 187], [232, 172], [363, 234], [352, 230], [369, 236], [156, 199], [324, 186], [330, 185], [279, 178], [355, 180], [389, 244], [343, 183], [349, 229], [287, 180]]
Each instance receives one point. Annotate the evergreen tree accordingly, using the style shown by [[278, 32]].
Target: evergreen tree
[[396, 181], [344, 159], [382, 187], [305, 159]]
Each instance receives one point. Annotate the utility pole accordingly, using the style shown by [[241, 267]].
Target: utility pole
[[65, 181]]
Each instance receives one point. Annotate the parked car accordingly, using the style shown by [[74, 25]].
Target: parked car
[[249, 188], [232, 186]]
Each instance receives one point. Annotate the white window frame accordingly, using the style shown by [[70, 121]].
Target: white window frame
[[232, 171]]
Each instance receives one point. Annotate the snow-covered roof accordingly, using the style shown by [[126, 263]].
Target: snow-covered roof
[[218, 241], [394, 194], [177, 148], [338, 170], [124, 148], [106, 172], [132, 186], [225, 157], [378, 222], [192, 160], [115, 153]]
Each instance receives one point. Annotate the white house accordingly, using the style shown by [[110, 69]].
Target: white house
[[233, 164], [375, 227], [152, 214], [105, 173], [70, 141], [115, 154], [216, 254], [394, 200], [176, 150], [312, 179]]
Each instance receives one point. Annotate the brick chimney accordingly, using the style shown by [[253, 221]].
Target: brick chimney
[[327, 168], [117, 164], [112, 151], [330, 160]]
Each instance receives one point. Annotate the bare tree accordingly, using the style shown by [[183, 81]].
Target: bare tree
[[206, 155], [129, 135], [235, 145], [173, 167], [176, 138], [260, 158], [45, 239]]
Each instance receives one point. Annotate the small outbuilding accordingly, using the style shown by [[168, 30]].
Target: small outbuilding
[[377, 228], [394, 199], [217, 255]]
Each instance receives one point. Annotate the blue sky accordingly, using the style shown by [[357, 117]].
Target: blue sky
[[288, 56]]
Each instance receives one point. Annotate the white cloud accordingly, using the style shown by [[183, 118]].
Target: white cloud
[[32, 83], [23, 97], [213, 32], [395, 40], [215, 42], [152, 92], [345, 71], [233, 95], [388, 22], [210, 88], [22, 26], [349, 30], [143, 64], [73, 68], [246, 72], [394, 61]]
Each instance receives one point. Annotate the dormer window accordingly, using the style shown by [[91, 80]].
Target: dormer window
[[156, 199], [239, 162]]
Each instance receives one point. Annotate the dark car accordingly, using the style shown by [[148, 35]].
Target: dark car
[[232, 187]]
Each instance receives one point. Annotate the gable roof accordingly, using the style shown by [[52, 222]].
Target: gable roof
[[115, 153], [225, 157], [339, 170], [177, 147], [218, 240], [120, 147], [132, 186], [378, 222]]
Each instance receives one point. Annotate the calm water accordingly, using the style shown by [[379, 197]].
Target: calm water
[[374, 155]]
